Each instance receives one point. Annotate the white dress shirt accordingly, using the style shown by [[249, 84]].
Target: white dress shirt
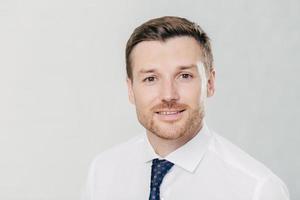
[[207, 167]]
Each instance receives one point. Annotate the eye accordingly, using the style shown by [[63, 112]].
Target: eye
[[186, 76], [149, 79]]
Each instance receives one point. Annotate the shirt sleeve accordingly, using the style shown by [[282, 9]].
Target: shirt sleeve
[[271, 188]]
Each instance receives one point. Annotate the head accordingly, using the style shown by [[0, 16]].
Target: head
[[170, 73]]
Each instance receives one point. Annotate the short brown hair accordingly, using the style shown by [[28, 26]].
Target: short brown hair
[[163, 28]]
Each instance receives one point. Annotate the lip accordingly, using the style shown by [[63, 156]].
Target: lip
[[169, 115]]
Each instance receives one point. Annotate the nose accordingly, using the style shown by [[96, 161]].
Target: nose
[[169, 91]]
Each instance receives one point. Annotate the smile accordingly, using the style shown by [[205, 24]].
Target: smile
[[169, 116], [169, 112]]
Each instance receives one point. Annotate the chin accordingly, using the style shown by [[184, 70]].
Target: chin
[[168, 132], [169, 136]]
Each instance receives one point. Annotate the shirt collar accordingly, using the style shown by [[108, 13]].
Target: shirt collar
[[187, 156]]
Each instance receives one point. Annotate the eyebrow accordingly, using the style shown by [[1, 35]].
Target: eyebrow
[[187, 67], [145, 71]]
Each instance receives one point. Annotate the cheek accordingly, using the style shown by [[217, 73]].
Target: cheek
[[190, 94], [145, 98]]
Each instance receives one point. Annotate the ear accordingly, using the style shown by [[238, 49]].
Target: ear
[[211, 83], [130, 90]]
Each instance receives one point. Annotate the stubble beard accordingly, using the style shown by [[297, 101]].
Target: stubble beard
[[174, 130]]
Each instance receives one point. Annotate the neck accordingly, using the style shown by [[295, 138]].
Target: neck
[[164, 147]]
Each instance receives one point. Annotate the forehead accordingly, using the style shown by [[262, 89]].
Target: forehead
[[177, 51]]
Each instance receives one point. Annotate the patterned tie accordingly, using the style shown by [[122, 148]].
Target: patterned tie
[[159, 169]]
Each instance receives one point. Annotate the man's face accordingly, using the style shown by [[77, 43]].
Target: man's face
[[169, 86]]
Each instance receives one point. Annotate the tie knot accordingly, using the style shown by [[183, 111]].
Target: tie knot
[[161, 165]]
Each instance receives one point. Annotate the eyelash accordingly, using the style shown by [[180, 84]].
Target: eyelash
[[147, 79], [189, 75]]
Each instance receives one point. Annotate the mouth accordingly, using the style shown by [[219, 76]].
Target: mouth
[[169, 115], [175, 112]]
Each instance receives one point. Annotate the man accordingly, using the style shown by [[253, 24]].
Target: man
[[170, 74]]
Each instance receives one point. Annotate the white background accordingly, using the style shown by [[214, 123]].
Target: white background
[[63, 97]]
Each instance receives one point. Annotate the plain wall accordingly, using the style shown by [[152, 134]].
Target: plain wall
[[63, 97]]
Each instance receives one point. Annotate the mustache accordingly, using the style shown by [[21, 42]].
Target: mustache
[[169, 105]]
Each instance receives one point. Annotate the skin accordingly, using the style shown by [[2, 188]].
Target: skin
[[169, 87]]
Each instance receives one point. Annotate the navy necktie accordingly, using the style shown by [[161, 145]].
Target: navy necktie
[[159, 169]]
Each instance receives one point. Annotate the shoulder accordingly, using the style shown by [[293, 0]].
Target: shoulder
[[120, 151], [106, 165], [267, 184], [236, 158]]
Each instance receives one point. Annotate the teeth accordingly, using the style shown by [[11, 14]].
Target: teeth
[[168, 113]]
